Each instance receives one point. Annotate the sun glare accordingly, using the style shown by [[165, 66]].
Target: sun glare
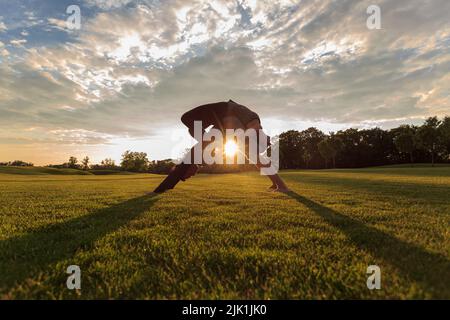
[[231, 148]]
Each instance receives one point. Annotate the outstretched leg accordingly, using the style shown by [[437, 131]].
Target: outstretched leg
[[278, 184], [180, 172], [176, 175]]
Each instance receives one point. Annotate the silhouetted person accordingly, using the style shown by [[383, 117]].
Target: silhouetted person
[[222, 116]]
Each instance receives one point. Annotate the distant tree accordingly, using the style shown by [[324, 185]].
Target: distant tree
[[444, 133], [355, 148], [362, 148], [134, 161], [325, 150], [307, 158], [310, 138], [108, 163], [161, 166], [72, 163], [405, 143], [335, 145], [427, 137], [351, 154], [376, 147], [19, 163], [85, 163], [290, 149]]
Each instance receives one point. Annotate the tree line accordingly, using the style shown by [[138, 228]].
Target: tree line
[[16, 163], [355, 148], [312, 149], [131, 162]]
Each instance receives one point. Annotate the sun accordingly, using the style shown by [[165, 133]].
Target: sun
[[231, 148]]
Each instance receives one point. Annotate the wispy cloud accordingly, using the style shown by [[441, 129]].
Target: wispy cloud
[[136, 65], [3, 27], [18, 42]]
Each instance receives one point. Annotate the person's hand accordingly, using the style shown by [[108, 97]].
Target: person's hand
[[259, 165], [192, 171]]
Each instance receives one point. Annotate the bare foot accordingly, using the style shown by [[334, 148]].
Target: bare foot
[[282, 190], [273, 187]]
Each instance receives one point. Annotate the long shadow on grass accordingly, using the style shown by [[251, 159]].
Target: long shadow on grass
[[23, 256], [418, 192], [431, 270]]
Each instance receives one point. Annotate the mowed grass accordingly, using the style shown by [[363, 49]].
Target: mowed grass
[[225, 236], [40, 171]]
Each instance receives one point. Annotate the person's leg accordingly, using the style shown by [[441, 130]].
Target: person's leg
[[277, 183], [274, 183], [187, 167], [281, 186]]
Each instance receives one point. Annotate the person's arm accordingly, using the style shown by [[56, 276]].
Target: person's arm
[[277, 183]]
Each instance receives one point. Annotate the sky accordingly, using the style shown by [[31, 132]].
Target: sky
[[123, 80]]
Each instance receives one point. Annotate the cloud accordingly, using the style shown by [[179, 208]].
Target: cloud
[[4, 52], [135, 69], [3, 27], [18, 42], [58, 24], [107, 4]]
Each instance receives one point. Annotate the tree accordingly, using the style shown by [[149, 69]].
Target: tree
[[335, 144], [307, 158], [325, 150], [134, 161], [290, 149], [351, 154], [310, 138], [161, 166], [72, 163], [376, 147], [444, 133], [85, 163], [428, 137], [108, 163], [18, 163], [405, 144]]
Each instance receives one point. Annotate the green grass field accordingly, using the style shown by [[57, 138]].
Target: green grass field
[[225, 236]]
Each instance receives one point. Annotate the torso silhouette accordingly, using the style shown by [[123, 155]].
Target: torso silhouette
[[214, 113]]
